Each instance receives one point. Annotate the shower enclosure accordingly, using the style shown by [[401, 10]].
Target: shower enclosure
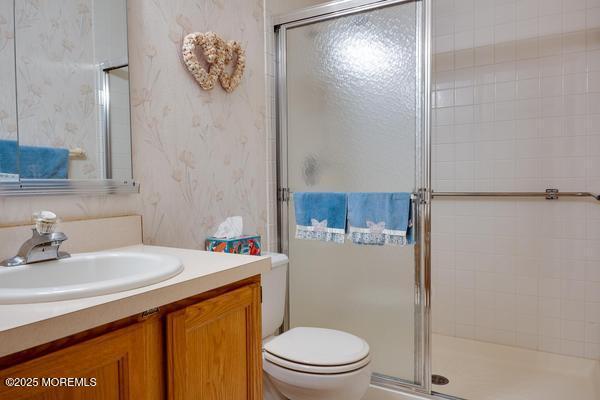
[[513, 136], [516, 253], [352, 117]]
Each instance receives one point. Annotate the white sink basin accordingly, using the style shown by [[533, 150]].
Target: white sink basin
[[84, 275]]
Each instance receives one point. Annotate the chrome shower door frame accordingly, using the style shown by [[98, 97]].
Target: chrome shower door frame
[[422, 225]]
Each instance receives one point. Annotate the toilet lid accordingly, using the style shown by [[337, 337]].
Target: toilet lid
[[318, 347]]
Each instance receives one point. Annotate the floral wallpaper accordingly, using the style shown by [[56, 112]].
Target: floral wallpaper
[[18, 210], [286, 6], [8, 120], [199, 156], [56, 78]]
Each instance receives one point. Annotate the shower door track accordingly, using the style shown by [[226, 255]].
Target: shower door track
[[422, 367]]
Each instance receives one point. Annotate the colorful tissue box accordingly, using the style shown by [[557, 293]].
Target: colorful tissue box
[[249, 245]]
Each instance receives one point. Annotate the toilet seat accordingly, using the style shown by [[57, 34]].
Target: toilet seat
[[318, 351], [315, 369]]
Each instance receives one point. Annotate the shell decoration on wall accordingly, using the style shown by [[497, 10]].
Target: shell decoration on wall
[[218, 54]]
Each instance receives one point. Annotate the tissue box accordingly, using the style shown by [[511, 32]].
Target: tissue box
[[249, 245]]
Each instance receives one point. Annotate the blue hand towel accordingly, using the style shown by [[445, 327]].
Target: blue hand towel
[[34, 162], [379, 218], [8, 156], [320, 216]]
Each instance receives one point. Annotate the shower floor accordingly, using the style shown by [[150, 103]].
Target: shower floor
[[482, 371]]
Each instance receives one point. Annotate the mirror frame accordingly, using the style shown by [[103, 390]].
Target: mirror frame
[[46, 187], [57, 187], [104, 82]]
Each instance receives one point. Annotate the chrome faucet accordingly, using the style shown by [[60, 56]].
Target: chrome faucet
[[43, 245]]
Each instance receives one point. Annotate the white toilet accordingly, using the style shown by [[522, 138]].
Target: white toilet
[[307, 363]]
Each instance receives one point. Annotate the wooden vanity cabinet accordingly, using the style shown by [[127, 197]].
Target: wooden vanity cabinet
[[205, 347], [214, 348], [115, 366]]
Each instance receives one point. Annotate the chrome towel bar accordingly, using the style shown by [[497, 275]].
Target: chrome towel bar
[[549, 194]]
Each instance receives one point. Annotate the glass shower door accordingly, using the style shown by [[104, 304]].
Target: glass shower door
[[349, 122]]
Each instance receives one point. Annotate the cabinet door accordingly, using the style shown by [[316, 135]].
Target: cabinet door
[[214, 348], [126, 364]]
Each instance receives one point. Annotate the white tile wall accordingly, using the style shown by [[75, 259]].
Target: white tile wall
[[517, 107]]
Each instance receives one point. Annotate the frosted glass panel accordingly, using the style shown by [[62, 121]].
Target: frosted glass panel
[[351, 113], [351, 102]]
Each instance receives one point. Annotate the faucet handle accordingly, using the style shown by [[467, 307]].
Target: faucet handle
[[45, 222]]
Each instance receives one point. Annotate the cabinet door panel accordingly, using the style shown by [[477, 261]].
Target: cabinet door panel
[[214, 348], [124, 364]]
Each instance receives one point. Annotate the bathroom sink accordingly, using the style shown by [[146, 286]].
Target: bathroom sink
[[84, 275]]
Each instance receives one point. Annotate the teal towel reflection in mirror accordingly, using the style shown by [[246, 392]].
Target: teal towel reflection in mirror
[[34, 162]]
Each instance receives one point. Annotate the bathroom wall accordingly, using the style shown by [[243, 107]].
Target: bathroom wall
[[285, 6], [199, 156], [18, 210], [517, 108]]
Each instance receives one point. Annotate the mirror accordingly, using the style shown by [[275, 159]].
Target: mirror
[[66, 118], [8, 100]]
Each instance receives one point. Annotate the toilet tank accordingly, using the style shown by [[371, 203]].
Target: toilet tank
[[274, 288]]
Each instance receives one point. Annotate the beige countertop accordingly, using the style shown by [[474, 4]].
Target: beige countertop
[[23, 326]]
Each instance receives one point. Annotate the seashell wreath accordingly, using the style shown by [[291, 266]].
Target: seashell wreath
[[218, 54]]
